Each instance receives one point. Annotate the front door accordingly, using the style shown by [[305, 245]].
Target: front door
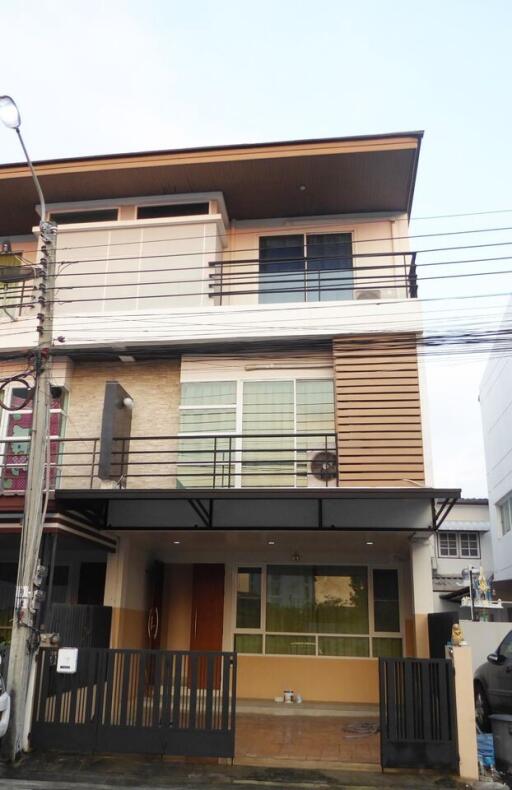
[[207, 607]]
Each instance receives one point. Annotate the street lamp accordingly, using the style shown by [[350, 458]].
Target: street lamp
[[10, 117], [21, 661]]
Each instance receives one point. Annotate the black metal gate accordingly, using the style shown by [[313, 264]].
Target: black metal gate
[[138, 701], [417, 713]]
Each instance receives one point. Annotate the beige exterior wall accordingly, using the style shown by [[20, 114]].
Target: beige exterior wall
[[349, 680], [368, 237], [154, 387]]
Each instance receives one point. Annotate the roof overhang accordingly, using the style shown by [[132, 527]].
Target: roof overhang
[[344, 509], [74, 526], [344, 175]]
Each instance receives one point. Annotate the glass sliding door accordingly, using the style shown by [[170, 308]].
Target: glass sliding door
[[268, 408], [282, 269], [329, 266]]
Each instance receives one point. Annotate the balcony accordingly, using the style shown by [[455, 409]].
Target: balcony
[[207, 461], [363, 276]]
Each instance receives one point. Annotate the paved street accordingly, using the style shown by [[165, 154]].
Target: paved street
[[59, 772]]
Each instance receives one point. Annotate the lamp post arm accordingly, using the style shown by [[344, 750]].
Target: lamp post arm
[[42, 201]]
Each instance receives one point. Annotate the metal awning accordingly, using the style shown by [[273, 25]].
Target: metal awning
[[381, 509]]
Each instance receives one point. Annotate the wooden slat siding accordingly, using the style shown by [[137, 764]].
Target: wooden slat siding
[[378, 411]]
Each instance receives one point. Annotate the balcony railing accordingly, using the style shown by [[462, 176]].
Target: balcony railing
[[375, 276], [247, 460]]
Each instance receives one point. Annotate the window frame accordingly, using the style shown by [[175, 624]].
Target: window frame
[[238, 405], [459, 555], [505, 503], [308, 290], [371, 635], [6, 439]]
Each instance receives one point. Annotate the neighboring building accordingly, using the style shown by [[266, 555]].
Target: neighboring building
[[496, 406], [463, 541], [239, 433]]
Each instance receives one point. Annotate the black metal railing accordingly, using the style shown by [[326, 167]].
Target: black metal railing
[[312, 279], [245, 460]]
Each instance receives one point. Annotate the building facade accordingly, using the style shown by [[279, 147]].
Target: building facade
[[239, 449], [495, 403]]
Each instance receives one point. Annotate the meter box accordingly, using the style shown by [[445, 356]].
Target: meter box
[[67, 660]]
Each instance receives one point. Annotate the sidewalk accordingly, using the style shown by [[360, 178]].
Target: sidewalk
[[70, 772]]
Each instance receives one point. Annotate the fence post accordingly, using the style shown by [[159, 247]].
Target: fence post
[[465, 711]]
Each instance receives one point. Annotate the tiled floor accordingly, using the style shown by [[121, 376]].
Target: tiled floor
[[304, 738]]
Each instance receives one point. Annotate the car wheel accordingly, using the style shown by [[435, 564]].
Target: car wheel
[[482, 709]]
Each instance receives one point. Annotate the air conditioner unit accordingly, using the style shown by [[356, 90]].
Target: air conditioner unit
[[322, 469], [370, 293]]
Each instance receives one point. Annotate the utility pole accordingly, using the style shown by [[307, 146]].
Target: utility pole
[[25, 641]]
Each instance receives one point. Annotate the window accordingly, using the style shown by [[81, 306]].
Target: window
[[15, 432], [311, 610], [95, 215], [228, 417], [458, 544], [469, 544], [447, 544], [312, 268], [172, 210], [505, 509]]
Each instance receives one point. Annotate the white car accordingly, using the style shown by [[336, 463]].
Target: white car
[[5, 705]]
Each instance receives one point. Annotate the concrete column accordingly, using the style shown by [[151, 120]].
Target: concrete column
[[125, 592], [465, 712], [423, 596]]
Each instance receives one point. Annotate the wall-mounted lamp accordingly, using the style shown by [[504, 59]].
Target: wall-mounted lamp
[[128, 403]]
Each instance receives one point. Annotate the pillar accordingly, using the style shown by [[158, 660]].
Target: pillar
[[423, 595], [465, 712], [126, 593]]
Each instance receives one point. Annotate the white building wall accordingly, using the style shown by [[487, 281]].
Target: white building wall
[[496, 406]]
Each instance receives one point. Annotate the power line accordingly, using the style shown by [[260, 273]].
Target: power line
[[261, 231]]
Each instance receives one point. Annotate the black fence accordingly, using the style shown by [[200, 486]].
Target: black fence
[[137, 701], [417, 713], [80, 625]]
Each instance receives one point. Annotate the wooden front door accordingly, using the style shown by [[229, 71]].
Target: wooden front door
[[207, 607], [207, 622]]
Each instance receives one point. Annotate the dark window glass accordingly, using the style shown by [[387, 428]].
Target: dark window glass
[[91, 584], [248, 598], [386, 600], [172, 210], [282, 269], [60, 584], [8, 572], [96, 215], [329, 266]]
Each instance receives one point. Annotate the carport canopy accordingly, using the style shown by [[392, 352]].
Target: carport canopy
[[347, 509]]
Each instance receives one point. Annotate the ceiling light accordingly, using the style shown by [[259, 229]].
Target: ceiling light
[[369, 542], [271, 542], [302, 187], [176, 542]]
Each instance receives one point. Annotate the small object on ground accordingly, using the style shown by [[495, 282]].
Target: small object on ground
[[361, 729], [288, 695], [297, 698], [279, 699], [485, 745]]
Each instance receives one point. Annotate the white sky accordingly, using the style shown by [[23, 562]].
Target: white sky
[[97, 77]]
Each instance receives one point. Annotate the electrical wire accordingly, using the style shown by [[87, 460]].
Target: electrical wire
[[258, 231]]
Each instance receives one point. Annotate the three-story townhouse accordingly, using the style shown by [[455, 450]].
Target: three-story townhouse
[[239, 455]]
